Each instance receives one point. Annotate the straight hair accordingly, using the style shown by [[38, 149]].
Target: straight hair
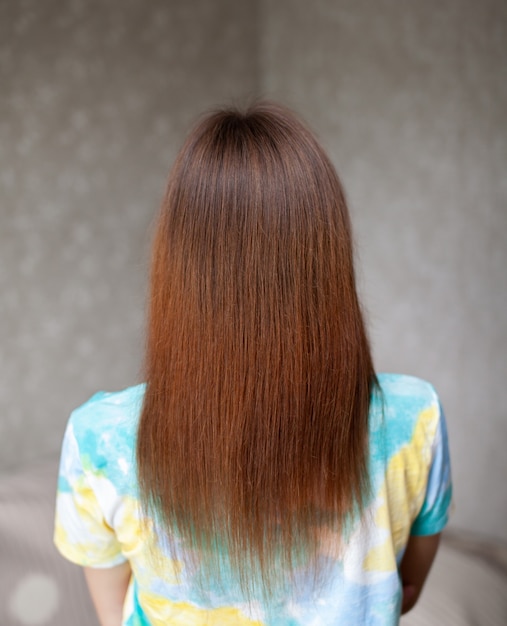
[[253, 432]]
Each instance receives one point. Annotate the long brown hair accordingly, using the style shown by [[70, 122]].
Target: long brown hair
[[254, 426]]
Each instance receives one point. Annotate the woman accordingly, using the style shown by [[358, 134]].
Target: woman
[[263, 474]]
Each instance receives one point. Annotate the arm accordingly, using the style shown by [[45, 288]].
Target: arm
[[415, 566], [108, 588]]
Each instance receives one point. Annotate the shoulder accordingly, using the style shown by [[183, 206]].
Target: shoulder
[[102, 431], [404, 400], [97, 477], [406, 391], [405, 412], [104, 411], [409, 455]]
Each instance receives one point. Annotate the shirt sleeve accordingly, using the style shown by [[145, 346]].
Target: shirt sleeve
[[83, 534], [434, 513]]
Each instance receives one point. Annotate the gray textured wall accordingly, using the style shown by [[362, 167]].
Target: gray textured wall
[[94, 99], [409, 97]]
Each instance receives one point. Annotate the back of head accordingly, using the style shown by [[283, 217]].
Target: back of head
[[254, 426]]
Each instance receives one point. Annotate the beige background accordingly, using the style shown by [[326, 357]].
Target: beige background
[[409, 97]]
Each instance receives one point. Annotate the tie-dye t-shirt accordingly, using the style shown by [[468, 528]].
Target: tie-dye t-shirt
[[98, 519]]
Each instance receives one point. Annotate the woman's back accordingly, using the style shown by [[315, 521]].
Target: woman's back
[[99, 525]]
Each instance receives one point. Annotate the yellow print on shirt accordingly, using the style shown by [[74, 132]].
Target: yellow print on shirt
[[161, 612], [406, 476]]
